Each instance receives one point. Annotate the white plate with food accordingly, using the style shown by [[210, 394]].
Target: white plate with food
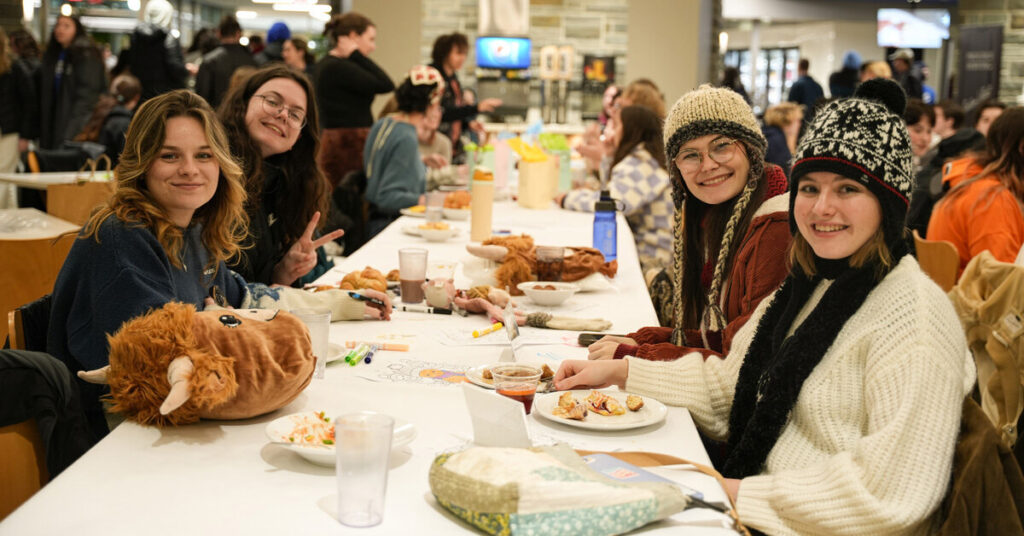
[[310, 434], [418, 211], [481, 375], [439, 232], [548, 293], [604, 410], [460, 214]]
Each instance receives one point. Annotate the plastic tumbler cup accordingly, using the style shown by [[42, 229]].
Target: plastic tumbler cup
[[318, 321], [412, 272], [363, 444], [435, 206], [518, 382], [550, 261]]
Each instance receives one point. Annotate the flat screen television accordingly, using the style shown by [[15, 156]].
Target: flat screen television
[[503, 52], [912, 28]]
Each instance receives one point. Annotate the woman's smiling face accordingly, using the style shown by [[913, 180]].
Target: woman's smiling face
[[714, 167], [835, 214], [275, 133]]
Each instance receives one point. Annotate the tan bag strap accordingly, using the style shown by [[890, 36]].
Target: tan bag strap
[[653, 459], [1005, 384], [93, 164]]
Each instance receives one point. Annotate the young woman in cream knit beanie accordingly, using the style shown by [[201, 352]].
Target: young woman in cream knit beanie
[[731, 233]]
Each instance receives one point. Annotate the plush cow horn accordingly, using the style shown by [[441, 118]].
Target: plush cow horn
[[95, 376], [178, 373], [490, 252]]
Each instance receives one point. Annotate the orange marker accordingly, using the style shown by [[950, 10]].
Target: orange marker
[[389, 346]]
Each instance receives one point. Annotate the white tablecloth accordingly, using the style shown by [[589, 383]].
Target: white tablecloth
[[39, 181], [31, 224], [225, 478]]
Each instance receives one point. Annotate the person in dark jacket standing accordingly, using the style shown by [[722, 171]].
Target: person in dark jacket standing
[[902, 64], [112, 115], [448, 55], [16, 89], [26, 60], [276, 36], [214, 76], [347, 80], [73, 77], [154, 56], [805, 91], [843, 82]]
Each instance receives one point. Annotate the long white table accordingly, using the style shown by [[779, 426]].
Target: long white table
[[226, 478], [39, 181]]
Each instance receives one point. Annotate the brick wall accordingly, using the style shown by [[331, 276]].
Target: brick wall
[[1009, 14]]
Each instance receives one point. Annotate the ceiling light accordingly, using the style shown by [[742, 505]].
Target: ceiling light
[[243, 14]]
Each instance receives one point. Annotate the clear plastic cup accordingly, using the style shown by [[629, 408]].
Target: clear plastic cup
[[318, 321], [412, 272], [518, 382], [363, 445]]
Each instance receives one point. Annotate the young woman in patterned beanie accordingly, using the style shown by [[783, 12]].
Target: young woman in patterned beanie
[[731, 234], [841, 404]]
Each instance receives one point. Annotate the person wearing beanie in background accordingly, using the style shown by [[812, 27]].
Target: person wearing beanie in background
[[982, 209], [154, 56], [842, 82], [842, 398], [902, 65], [276, 36], [731, 207]]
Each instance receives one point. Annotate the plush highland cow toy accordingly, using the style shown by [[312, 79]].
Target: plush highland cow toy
[[175, 365]]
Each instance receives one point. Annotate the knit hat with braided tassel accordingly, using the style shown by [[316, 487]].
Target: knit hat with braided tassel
[[710, 110]]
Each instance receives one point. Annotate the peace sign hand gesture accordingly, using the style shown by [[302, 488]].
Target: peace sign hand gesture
[[301, 257]]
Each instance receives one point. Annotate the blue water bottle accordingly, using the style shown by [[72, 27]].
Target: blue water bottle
[[605, 233]]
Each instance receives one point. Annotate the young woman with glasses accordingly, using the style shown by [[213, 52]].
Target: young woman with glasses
[[271, 120], [731, 230]]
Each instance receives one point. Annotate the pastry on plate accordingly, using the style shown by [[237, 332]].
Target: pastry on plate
[[634, 402]]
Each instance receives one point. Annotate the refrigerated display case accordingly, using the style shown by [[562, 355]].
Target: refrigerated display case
[[776, 71]]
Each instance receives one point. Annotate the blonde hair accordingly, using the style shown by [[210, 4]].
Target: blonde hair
[[782, 114], [874, 251], [224, 219], [878, 69]]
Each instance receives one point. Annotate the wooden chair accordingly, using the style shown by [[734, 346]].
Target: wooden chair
[[27, 325], [29, 270], [22, 465], [75, 202], [939, 259]]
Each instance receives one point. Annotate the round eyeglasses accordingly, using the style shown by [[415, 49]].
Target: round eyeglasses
[[273, 106], [691, 160]]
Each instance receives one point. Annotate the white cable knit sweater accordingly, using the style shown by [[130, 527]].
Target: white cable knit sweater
[[868, 448]]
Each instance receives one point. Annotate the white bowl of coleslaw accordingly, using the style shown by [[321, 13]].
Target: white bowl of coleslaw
[[310, 434]]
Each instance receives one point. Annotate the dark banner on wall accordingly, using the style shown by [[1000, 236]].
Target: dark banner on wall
[[980, 55]]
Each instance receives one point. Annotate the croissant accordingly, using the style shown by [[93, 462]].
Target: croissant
[[368, 278]]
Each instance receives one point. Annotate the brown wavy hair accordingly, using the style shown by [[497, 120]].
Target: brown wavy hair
[[307, 188], [640, 125], [1003, 159], [224, 221]]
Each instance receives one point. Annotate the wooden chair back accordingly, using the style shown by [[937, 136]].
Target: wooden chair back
[[22, 465], [939, 259], [75, 202], [29, 270]]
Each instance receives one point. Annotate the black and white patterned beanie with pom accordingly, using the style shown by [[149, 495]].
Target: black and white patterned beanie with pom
[[864, 138]]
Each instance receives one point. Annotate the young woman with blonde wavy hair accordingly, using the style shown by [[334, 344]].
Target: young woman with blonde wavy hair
[[176, 215]]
